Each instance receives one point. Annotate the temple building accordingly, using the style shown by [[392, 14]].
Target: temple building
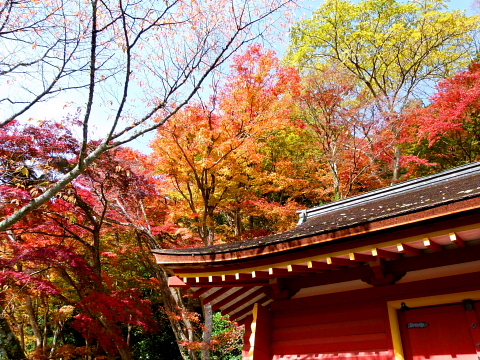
[[390, 274]]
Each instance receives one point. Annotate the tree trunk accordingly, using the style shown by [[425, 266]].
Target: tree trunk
[[34, 323], [238, 226], [22, 336], [125, 353], [336, 180], [172, 301], [207, 332], [129, 335], [9, 343], [396, 165], [123, 350], [45, 326], [54, 342]]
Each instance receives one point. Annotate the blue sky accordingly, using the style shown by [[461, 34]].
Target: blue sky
[[453, 4], [462, 4], [142, 144]]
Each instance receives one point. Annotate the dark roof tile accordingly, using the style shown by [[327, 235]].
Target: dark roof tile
[[400, 199]]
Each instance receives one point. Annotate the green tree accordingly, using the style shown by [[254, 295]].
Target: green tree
[[395, 49], [228, 337]]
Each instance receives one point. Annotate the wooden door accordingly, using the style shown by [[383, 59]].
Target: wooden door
[[441, 332]]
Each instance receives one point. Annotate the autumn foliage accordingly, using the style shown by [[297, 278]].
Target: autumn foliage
[[446, 133], [78, 278], [212, 152]]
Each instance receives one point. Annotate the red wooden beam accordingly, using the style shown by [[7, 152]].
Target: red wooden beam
[[249, 283], [262, 274], [229, 298], [407, 249], [175, 281], [386, 254], [215, 295], [434, 259], [342, 261], [432, 245], [457, 240], [327, 278], [243, 301], [190, 281], [228, 278], [200, 292], [277, 271], [299, 269], [361, 257], [320, 265], [243, 276], [427, 260]]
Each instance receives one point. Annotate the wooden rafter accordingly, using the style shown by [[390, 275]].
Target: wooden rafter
[[299, 269], [320, 265], [200, 292], [429, 244], [407, 249], [386, 254], [278, 271], [235, 295], [361, 257], [190, 281], [215, 295], [342, 261], [228, 278], [242, 312], [247, 309], [243, 276], [242, 301], [249, 284], [457, 239], [262, 274]]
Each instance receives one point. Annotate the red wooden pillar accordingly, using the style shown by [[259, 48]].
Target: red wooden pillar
[[257, 335]]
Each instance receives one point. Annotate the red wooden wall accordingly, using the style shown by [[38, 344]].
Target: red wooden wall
[[353, 330], [349, 325], [257, 338], [246, 338]]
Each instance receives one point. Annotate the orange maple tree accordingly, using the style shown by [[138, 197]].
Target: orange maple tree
[[211, 152], [345, 126], [112, 54]]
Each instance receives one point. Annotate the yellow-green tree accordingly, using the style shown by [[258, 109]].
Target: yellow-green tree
[[395, 49]]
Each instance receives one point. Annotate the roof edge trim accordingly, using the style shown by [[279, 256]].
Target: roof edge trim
[[396, 189]]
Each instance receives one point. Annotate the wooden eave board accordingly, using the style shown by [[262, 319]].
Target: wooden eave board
[[239, 307], [442, 228], [417, 219], [364, 245]]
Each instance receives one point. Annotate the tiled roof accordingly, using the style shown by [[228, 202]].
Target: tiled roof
[[412, 196]]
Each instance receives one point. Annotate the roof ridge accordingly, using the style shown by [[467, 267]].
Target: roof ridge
[[396, 189]]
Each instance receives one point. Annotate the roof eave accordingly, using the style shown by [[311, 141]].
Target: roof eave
[[209, 256]]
